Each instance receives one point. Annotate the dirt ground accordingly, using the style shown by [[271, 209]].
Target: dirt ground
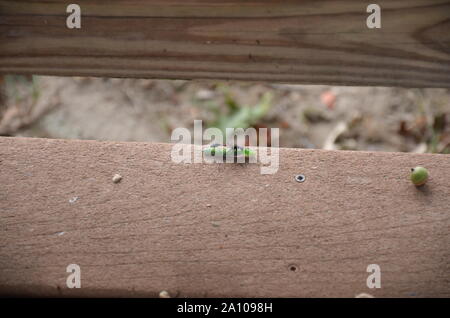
[[347, 118]]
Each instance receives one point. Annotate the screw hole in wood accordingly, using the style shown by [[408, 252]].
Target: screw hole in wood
[[300, 178]]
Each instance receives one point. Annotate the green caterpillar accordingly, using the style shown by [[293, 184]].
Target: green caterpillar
[[217, 150]]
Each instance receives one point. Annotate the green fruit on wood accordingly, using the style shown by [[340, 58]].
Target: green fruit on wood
[[419, 176]]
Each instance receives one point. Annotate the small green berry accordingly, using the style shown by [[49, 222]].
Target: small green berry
[[419, 176]]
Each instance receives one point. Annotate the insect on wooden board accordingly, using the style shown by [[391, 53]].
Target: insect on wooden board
[[235, 152]]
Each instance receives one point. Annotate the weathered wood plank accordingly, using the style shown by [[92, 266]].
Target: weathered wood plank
[[318, 42], [222, 229]]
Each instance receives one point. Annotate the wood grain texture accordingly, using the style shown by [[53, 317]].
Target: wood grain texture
[[303, 41], [221, 229]]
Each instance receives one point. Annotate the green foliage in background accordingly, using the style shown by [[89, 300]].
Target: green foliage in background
[[20, 87], [240, 116]]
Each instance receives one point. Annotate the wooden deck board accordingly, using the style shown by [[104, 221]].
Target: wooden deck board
[[221, 229], [313, 42]]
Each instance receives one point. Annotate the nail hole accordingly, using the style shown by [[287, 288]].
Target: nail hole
[[293, 268], [300, 178]]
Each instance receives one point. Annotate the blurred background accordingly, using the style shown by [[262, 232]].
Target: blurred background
[[325, 117]]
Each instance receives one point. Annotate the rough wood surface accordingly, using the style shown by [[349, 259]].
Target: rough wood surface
[[221, 229], [303, 41]]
